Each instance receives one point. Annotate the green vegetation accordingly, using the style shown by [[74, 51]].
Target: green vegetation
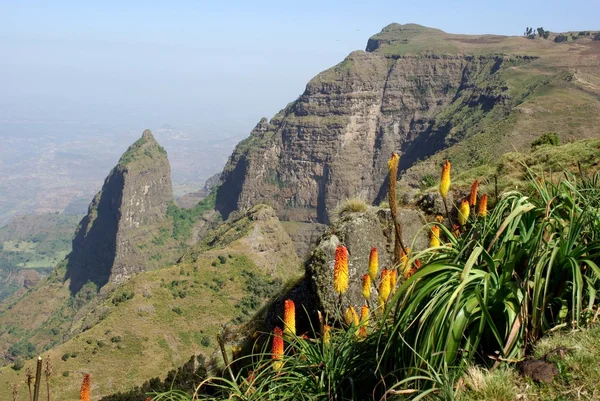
[[561, 38], [143, 147], [34, 242], [548, 138], [184, 219], [185, 378], [494, 290]]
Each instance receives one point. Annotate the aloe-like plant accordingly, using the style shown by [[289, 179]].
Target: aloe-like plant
[[527, 267]]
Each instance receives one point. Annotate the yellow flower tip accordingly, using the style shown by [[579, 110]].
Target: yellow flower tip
[[289, 317], [351, 317], [434, 237], [326, 333], [277, 348], [373, 264], [385, 286], [404, 259], [393, 278], [364, 315], [84, 393], [366, 286], [439, 218], [463, 212], [473, 194], [445, 179], [483, 205], [340, 270], [393, 162]]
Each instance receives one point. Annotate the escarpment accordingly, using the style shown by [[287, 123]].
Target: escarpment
[[122, 217], [334, 141]]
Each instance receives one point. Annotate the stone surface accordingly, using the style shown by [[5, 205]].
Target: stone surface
[[123, 215], [359, 232], [334, 141]]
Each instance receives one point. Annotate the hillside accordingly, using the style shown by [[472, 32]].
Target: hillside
[[423, 92], [157, 320], [149, 283]]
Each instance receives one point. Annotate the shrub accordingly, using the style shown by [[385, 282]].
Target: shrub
[[548, 138], [351, 205], [561, 38], [116, 339], [65, 373], [122, 297], [222, 259], [205, 341], [18, 364]]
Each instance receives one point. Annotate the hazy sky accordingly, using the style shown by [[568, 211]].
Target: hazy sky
[[146, 63]]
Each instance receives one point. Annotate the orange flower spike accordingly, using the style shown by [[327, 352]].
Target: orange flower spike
[[364, 321], [364, 315], [326, 333], [439, 218], [463, 212], [340, 270], [277, 349], [385, 287], [289, 317], [418, 263], [84, 393], [473, 194], [351, 317], [393, 278], [366, 286], [483, 205], [373, 264], [445, 179], [456, 230], [434, 237]]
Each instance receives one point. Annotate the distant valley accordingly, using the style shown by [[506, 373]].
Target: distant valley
[[48, 167]]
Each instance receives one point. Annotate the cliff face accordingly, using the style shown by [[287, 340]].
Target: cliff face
[[335, 140], [122, 217], [415, 90]]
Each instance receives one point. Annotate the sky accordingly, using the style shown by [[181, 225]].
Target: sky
[[219, 64]]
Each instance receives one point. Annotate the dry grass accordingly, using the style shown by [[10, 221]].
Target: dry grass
[[351, 205], [578, 376]]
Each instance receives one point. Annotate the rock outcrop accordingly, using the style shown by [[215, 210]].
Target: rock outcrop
[[334, 141], [122, 217], [359, 232]]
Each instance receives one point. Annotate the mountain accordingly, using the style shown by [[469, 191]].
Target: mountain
[[424, 93], [123, 217], [127, 230], [148, 283], [157, 319]]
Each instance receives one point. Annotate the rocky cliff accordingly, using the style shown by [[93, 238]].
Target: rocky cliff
[[122, 217], [414, 90]]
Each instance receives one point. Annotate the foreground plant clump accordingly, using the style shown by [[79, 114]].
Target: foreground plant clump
[[492, 283]]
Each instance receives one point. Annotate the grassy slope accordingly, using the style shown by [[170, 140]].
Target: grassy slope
[[159, 329], [512, 173], [578, 376]]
